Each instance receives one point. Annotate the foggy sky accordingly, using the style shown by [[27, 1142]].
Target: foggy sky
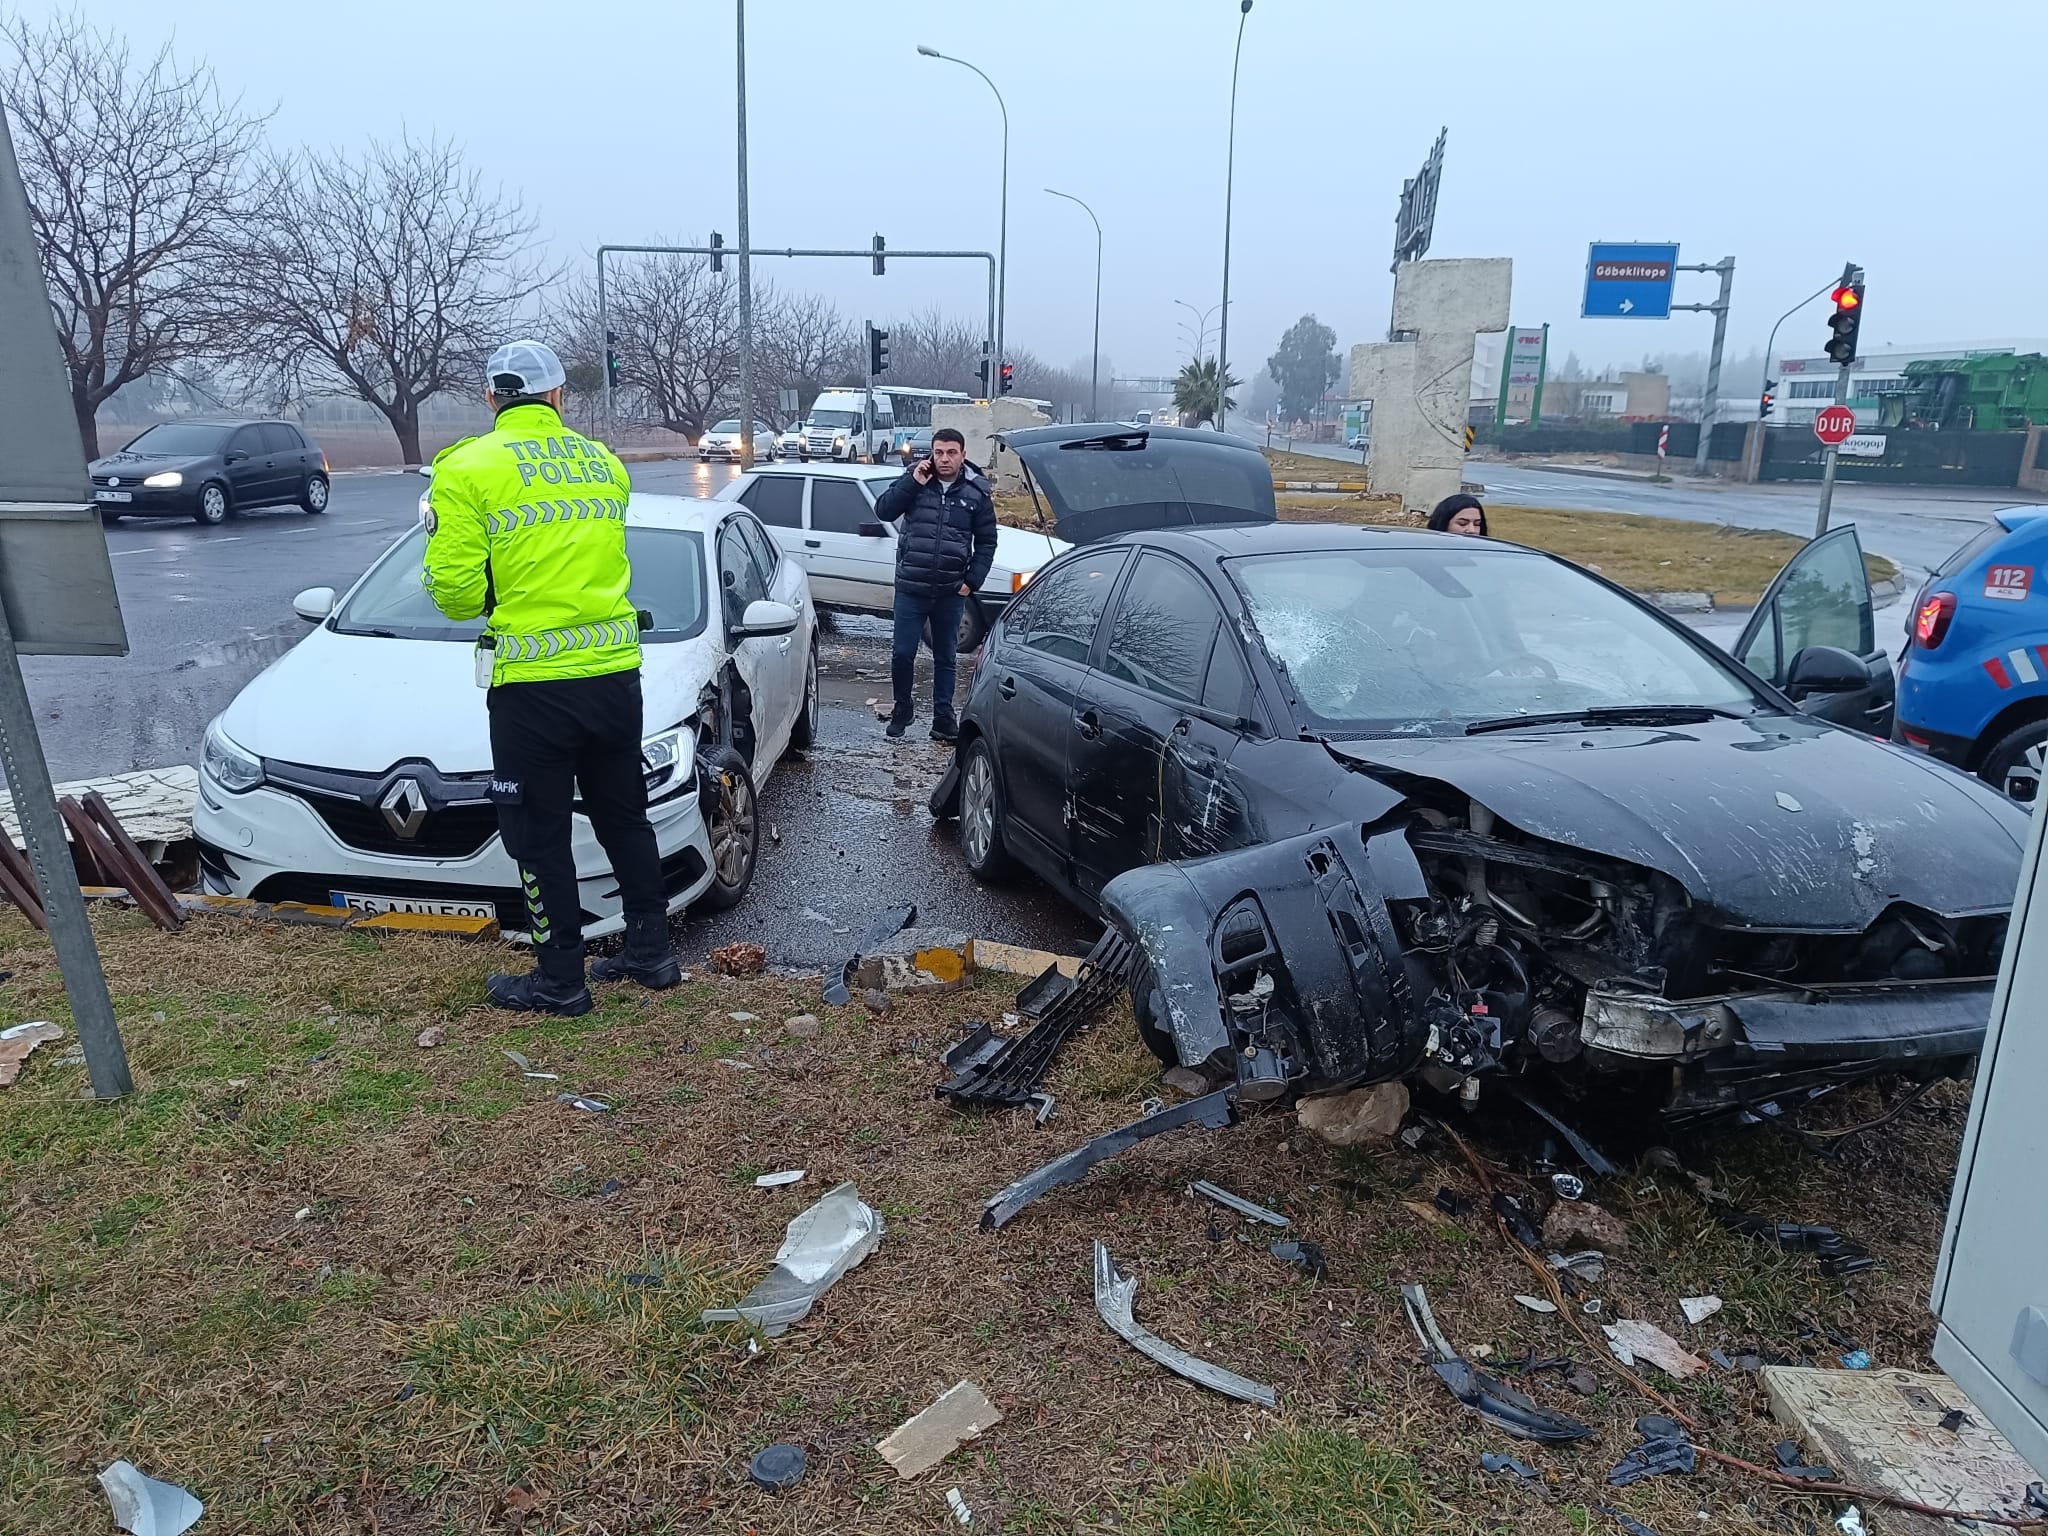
[[1721, 127]]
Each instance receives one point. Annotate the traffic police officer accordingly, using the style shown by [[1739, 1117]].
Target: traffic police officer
[[527, 526]]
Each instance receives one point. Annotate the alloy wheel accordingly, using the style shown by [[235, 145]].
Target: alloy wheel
[[978, 809], [732, 830]]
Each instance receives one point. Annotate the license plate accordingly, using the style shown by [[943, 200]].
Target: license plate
[[424, 904], [113, 495]]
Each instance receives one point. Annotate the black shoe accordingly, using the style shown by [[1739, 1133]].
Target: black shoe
[[946, 729], [899, 722], [536, 993], [657, 971]]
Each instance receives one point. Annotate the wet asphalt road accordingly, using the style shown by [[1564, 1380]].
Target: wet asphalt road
[[208, 608]]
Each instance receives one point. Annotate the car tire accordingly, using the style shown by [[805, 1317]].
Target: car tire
[[1148, 1006], [2017, 762], [981, 815], [732, 823], [109, 516], [804, 733], [314, 497], [214, 505]]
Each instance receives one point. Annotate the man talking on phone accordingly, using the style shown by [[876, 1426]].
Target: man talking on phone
[[945, 544]]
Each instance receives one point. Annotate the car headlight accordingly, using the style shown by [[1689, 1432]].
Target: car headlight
[[168, 480], [839, 441], [233, 769], [668, 760]]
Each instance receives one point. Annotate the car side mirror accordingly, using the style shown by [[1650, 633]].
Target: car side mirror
[[765, 619], [314, 604], [872, 531], [1826, 669], [233, 456], [425, 469]]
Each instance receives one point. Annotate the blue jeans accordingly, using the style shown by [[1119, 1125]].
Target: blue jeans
[[912, 610]]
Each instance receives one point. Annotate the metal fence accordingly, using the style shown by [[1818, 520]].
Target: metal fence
[[1909, 458]]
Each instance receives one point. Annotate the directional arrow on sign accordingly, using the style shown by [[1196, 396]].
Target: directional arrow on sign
[[1626, 305]]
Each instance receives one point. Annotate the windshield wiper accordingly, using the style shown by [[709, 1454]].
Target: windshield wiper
[[1613, 714]]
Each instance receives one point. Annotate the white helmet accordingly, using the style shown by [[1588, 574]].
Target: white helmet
[[532, 363]]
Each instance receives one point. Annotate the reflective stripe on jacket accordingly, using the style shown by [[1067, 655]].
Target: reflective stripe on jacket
[[531, 518]]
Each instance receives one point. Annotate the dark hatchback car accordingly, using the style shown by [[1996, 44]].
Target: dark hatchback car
[[1378, 802], [211, 470]]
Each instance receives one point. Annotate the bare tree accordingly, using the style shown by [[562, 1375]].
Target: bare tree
[[132, 168], [390, 277], [931, 350], [805, 344], [677, 324]]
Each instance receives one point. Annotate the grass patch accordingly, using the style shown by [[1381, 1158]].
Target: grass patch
[[1310, 466], [1308, 1482]]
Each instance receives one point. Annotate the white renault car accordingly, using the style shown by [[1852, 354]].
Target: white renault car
[[352, 771], [823, 516]]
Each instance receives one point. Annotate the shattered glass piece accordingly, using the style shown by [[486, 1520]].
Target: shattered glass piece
[[1493, 1461], [1304, 1256], [777, 1180], [1536, 1303], [145, 1507], [1788, 803], [1698, 1309], [1850, 1522], [1503, 1406], [580, 1101], [1114, 1294], [1720, 1358], [1223, 1197], [822, 1243]]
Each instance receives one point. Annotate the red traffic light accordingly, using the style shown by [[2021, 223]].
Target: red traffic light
[[1848, 296]]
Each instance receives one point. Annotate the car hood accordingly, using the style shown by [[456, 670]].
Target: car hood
[[1025, 549], [146, 463], [361, 704], [1777, 822], [1106, 478]]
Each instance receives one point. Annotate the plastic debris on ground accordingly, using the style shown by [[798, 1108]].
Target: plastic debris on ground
[[882, 928], [1955, 1420], [1516, 1215], [1114, 1295], [960, 1414], [959, 1507], [777, 1468], [1489, 1397], [822, 1243], [1203, 1189], [1632, 1340], [1856, 1360], [1493, 1461], [777, 1180], [16, 1041], [1628, 1523], [1850, 1522], [1589, 1265], [1214, 1111], [145, 1507], [989, 1071], [1698, 1309], [2037, 1497], [526, 1068], [1453, 1204], [580, 1101], [1304, 1256], [1664, 1449], [1536, 1303], [1793, 1464]]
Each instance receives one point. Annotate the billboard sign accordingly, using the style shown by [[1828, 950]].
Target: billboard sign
[[1525, 357], [1415, 220]]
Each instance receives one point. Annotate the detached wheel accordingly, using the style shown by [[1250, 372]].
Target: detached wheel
[[314, 497], [981, 815], [2016, 762], [725, 794], [805, 732], [213, 505]]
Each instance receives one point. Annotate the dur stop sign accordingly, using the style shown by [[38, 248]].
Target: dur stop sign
[[1834, 425]]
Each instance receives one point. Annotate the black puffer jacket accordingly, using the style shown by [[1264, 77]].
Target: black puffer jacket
[[947, 536]]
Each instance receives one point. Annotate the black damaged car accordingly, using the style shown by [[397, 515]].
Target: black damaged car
[[1374, 802]]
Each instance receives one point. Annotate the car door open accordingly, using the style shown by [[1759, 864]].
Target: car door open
[[1814, 635]]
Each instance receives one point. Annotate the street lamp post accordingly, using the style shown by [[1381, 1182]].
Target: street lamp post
[[746, 256], [1244, 11], [1201, 327], [1095, 356], [1003, 229]]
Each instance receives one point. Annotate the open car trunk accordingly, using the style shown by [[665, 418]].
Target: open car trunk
[[1097, 480]]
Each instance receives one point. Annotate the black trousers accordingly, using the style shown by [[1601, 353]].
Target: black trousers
[[548, 740]]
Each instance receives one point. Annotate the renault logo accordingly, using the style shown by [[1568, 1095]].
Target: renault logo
[[405, 808]]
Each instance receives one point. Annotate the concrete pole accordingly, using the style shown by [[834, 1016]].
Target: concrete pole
[[1244, 11], [1095, 355], [746, 263], [1827, 474], [1726, 267]]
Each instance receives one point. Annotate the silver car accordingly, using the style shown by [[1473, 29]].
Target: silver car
[[723, 442]]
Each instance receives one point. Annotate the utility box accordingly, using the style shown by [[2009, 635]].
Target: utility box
[[1991, 1289]]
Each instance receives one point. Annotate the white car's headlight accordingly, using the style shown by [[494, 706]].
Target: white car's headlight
[[169, 480], [668, 760], [233, 769], [426, 507]]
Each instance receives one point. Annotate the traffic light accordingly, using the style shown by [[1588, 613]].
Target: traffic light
[[611, 358], [1769, 399], [982, 374], [878, 350], [1848, 316], [879, 249], [1009, 377], [717, 251]]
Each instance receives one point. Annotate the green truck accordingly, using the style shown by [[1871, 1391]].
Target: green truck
[[2005, 392]]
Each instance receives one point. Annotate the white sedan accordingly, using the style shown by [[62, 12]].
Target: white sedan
[[352, 772], [823, 515]]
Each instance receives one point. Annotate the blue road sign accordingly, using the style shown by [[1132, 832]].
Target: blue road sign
[[1629, 282]]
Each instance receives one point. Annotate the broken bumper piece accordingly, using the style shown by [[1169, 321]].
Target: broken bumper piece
[[1214, 1111], [1114, 1295], [1487, 1396], [821, 1244], [992, 1073]]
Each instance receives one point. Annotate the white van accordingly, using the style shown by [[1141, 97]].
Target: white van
[[834, 428]]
